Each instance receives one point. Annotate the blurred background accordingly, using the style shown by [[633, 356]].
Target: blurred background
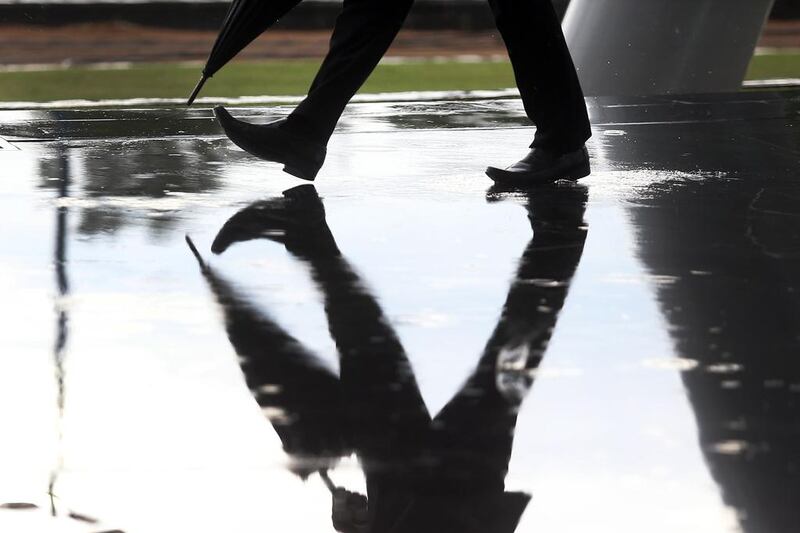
[[99, 50]]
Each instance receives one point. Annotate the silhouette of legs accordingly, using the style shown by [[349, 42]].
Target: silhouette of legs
[[442, 475], [532, 33], [543, 68]]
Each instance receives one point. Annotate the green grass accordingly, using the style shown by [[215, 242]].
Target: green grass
[[774, 66], [240, 79], [283, 78]]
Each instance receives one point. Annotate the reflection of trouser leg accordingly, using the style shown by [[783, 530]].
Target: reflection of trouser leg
[[544, 72], [474, 432], [387, 413], [545, 272], [363, 33]]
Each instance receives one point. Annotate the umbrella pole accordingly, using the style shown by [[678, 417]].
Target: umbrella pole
[[193, 248], [196, 90]]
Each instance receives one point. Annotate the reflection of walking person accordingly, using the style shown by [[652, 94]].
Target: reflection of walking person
[[424, 474], [542, 66]]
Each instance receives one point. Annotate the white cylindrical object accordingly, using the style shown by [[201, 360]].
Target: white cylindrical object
[[638, 47]]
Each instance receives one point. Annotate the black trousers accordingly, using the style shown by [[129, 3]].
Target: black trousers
[[543, 68]]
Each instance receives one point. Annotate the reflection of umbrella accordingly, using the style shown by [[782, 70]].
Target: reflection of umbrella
[[246, 20]]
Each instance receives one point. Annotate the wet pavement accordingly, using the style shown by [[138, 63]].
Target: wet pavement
[[617, 356]]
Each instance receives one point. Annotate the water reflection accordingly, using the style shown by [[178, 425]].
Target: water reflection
[[423, 473], [76, 520], [139, 171], [733, 251], [58, 173], [62, 321], [727, 248]]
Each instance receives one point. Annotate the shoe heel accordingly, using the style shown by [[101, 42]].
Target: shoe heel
[[305, 168], [580, 171]]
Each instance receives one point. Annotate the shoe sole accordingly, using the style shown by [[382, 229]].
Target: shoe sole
[[292, 167], [504, 177], [297, 173]]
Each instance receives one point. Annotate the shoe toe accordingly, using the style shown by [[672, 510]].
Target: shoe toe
[[221, 242], [496, 173]]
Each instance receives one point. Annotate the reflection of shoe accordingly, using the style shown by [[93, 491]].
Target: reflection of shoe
[[297, 221], [540, 166], [557, 206], [556, 190], [274, 142]]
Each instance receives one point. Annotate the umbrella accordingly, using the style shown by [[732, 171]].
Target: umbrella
[[245, 20]]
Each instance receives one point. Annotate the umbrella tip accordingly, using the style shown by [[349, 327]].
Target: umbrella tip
[[196, 90], [196, 254]]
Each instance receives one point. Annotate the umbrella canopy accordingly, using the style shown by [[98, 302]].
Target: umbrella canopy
[[245, 20]]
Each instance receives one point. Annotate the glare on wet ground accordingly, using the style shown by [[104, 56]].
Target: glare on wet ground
[[667, 398]]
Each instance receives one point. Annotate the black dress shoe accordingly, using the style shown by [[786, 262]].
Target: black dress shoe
[[541, 166], [300, 156], [296, 220]]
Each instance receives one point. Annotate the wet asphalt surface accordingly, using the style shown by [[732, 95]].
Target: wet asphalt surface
[[398, 322]]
